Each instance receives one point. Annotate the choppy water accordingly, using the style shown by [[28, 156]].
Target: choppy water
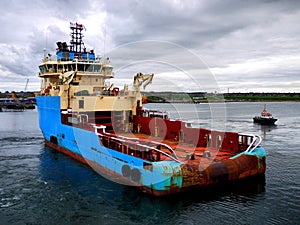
[[40, 186]]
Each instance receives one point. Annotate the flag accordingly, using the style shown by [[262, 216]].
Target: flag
[[80, 26]]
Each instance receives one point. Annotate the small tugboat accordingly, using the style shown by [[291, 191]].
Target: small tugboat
[[265, 118], [84, 116]]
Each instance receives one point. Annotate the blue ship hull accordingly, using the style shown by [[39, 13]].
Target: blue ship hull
[[85, 146]]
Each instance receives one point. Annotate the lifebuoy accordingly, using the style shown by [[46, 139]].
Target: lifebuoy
[[115, 91]]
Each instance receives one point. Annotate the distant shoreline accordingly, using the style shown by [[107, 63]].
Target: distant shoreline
[[195, 97], [218, 101], [202, 97]]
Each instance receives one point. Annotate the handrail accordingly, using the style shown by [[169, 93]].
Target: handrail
[[174, 157], [255, 142]]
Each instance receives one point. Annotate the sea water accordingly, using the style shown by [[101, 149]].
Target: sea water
[[41, 186]]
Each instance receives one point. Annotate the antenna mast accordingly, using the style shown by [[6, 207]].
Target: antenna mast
[[76, 42]]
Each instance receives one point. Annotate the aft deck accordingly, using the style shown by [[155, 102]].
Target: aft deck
[[155, 149], [165, 139]]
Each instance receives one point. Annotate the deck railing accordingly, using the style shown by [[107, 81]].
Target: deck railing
[[137, 142]]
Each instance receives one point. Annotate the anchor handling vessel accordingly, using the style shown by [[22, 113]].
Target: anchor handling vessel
[[84, 116]]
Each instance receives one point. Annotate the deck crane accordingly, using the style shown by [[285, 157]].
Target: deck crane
[[142, 79]]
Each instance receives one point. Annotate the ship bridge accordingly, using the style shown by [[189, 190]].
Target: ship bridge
[[74, 66]]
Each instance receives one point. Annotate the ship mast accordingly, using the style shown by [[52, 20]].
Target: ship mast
[[76, 42]]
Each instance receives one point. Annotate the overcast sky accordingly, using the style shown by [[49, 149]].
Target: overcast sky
[[243, 45]]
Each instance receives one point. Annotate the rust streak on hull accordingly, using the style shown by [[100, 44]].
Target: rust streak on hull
[[223, 171]]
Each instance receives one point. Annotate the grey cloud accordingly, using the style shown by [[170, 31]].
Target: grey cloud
[[191, 23], [227, 35]]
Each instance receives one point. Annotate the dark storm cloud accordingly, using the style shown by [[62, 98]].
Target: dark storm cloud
[[191, 23]]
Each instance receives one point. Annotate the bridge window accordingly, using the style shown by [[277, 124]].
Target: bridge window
[[70, 67], [90, 68], [59, 68], [50, 68], [104, 70], [42, 69], [107, 70], [80, 67], [97, 68]]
